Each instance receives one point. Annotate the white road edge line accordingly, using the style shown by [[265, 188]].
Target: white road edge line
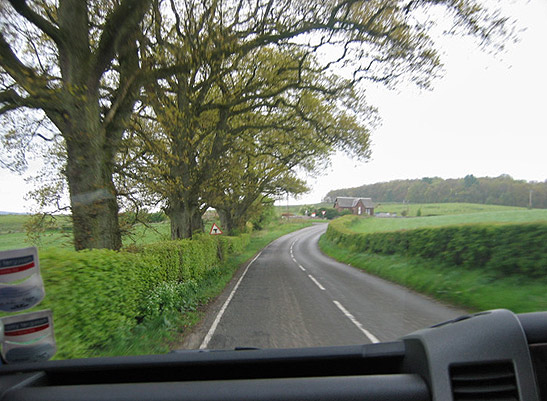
[[367, 333], [223, 309], [316, 282]]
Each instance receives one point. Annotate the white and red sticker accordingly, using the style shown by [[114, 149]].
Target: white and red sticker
[[18, 264], [28, 337], [28, 327], [21, 285]]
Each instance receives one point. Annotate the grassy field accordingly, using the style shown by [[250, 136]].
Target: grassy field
[[13, 233], [295, 209], [487, 217], [440, 209], [10, 223]]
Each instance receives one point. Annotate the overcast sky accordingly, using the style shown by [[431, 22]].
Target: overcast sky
[[486, 117]]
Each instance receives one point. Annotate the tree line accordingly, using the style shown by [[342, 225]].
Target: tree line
[[502, 190], [185, 105]]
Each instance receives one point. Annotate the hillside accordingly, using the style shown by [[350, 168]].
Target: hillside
[[502, 190]]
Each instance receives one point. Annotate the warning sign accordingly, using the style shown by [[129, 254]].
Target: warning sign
[[215, 230]]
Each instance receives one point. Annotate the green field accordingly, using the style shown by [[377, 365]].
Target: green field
[[370, 225], [439, 209], [13, 233], [298, 209]]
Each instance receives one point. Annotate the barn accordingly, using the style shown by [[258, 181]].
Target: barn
[[357, 206]]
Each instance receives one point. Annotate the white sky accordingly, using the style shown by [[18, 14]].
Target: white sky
[[486, 117]]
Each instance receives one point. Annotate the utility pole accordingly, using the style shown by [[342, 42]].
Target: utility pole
[[530, 200]]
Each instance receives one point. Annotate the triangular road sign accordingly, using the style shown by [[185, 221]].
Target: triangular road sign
[[215, 230]]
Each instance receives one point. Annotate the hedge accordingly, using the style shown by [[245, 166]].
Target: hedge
[[95, 295], [504, 249]]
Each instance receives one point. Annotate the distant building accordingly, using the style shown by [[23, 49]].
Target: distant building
[[358, 206]]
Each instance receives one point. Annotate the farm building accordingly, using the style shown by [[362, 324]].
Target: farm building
[[358, 206]]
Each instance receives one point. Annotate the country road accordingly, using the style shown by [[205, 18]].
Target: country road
[[291, 295]]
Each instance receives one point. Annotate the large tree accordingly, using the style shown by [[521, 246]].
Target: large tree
[[257, 121], [80, 71]]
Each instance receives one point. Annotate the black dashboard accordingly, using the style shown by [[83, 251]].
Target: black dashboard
[[494, 355]]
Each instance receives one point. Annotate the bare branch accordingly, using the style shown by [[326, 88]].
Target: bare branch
[[43, 24], [12, 100], [22, 74]]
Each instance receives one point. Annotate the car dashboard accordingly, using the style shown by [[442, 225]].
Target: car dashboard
[[493, 355]]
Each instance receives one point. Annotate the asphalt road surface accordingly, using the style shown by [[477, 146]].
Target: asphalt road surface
[[292, 295]]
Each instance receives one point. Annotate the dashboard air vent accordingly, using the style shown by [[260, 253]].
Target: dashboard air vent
[[490, 381]]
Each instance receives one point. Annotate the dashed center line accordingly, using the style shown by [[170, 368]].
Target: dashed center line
[[367, 333], [317, 283], [294, 259], [352, 318]]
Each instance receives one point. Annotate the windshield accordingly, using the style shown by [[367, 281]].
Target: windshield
[[272, 174]]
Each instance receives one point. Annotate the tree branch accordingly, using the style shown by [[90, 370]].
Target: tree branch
[[11, 100], [23, 75], [121, 22], [44, 25]]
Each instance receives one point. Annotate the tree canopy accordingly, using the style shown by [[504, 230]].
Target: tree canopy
[[181, 80]]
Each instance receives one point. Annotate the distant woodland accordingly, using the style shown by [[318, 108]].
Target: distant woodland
[[502, 190]]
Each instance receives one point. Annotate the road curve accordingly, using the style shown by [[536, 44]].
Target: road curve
[[292, 295]]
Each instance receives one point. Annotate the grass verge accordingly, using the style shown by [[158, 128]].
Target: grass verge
[[469, 289], [161, 334]]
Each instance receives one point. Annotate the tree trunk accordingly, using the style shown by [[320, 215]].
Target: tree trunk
[[89, 175], [94, 214], [184, 218], [197, 222], [226, 221]]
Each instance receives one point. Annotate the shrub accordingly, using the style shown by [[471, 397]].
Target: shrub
[[97, 294], [93, 294], [502, 249], [171, 296]]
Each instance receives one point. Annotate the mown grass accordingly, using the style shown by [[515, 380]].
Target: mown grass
[[12, 223], [166, 332], [371, 225], [470, 289], [437, 209], [13, 234]]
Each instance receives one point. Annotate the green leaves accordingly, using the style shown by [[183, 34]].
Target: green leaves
[[96, 295], [502, 249]]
